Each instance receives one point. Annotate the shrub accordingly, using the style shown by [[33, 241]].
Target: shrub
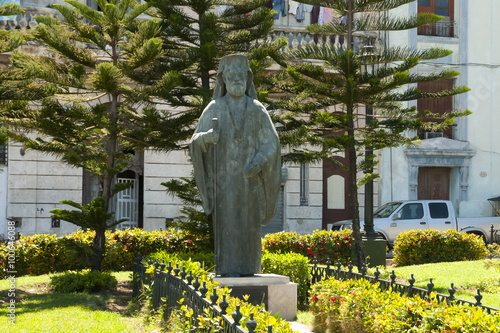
[[42, 254], [185, 319], [417, 247], [323, 245], [358, 305], [293, 265], [197, 263], [85, 281]]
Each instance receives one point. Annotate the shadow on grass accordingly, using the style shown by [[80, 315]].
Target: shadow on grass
[[31, 302]]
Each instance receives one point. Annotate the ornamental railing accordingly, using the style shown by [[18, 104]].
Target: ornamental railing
[[320, 273], [170, 285], [439, 29]]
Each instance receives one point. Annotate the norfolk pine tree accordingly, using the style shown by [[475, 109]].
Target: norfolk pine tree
[[344, 84], [94, 120]]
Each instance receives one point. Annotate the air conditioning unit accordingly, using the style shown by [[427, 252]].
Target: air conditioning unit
[[432, 135]]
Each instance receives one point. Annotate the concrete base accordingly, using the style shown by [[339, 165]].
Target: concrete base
[[278, 294]]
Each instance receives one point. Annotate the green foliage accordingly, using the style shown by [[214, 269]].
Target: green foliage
[[195, 262], [295, 266], [428, 246], [42, 254], [86, 281], [332, 99], [322, 245], [184, 319], [358, 305], [193, 219], [91, 216]]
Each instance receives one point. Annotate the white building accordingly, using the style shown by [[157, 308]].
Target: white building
[[461, 164]]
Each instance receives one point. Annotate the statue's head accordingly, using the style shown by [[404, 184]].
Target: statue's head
[[234, 76]]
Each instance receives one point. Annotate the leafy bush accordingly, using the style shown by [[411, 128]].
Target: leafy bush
[[293, 265], [417, 247], [42, 254], [323, 245], [85, 281], [183, 319], [358, 305], [197, 263]]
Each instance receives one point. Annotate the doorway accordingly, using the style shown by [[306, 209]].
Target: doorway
[[433, 183]]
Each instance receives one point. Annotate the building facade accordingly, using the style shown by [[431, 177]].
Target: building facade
[[460, 164]]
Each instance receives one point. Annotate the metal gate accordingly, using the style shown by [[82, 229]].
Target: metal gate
[[127, 205]]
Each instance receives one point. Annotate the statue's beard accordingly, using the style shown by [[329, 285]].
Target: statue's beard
[[236, 89]]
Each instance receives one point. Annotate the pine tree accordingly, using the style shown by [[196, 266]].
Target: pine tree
[[196, 34], [11, 81], [99, 114], [347, 82]]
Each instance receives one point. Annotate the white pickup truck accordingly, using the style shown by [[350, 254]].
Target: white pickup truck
[[399, 216]]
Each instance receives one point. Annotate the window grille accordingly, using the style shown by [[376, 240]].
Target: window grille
[[304, 184]]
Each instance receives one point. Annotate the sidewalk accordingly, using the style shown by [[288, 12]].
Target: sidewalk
[[300, 328]]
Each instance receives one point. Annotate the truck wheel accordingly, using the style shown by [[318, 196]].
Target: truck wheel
[[480, 235]]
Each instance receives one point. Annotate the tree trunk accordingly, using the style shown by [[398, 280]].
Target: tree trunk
[[98, 246]]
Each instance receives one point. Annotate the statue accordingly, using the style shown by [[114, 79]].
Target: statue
[[236, 147]]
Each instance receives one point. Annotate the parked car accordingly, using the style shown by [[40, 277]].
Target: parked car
[[395, 217]]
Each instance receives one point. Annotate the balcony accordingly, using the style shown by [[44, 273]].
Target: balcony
[[440, 29]]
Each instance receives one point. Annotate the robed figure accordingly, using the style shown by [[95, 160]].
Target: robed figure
[[241, 158]]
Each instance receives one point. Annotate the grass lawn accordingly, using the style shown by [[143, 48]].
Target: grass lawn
[[39, 310], [466, 276]]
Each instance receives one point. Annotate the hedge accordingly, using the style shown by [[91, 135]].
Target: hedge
[[41, 254], [416, 247], [293, 265], [360, 306], [322, 245]]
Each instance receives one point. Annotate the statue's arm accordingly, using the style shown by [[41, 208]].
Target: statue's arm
[[204, 135], [269, 144]]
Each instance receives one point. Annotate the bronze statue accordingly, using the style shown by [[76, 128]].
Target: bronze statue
[[236, 147]]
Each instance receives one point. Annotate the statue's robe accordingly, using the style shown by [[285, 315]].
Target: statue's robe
[[242, 205]]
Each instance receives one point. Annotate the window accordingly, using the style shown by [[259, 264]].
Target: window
[[3, 154], [443, 28], [438, 210], [412, 211], [436, 105], [304, 184]]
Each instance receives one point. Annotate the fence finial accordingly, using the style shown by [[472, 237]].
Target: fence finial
[[251, 324], [237, 315]]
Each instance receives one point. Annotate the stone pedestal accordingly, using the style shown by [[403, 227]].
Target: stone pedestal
[[278, 294]]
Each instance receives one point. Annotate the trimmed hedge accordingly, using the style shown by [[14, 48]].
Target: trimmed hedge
[[324, 245], [416, 247], [360, 306], [42, 254], [293, 265]]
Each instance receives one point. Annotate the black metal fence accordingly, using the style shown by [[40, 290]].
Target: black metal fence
[[320, 273], [170, 285]]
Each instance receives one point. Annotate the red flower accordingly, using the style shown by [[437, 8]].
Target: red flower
[[314, 298]]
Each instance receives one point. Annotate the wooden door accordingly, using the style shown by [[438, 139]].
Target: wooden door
[[433, 183]]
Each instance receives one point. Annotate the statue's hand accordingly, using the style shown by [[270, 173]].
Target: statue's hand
[[252, 169], [211, 137]]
